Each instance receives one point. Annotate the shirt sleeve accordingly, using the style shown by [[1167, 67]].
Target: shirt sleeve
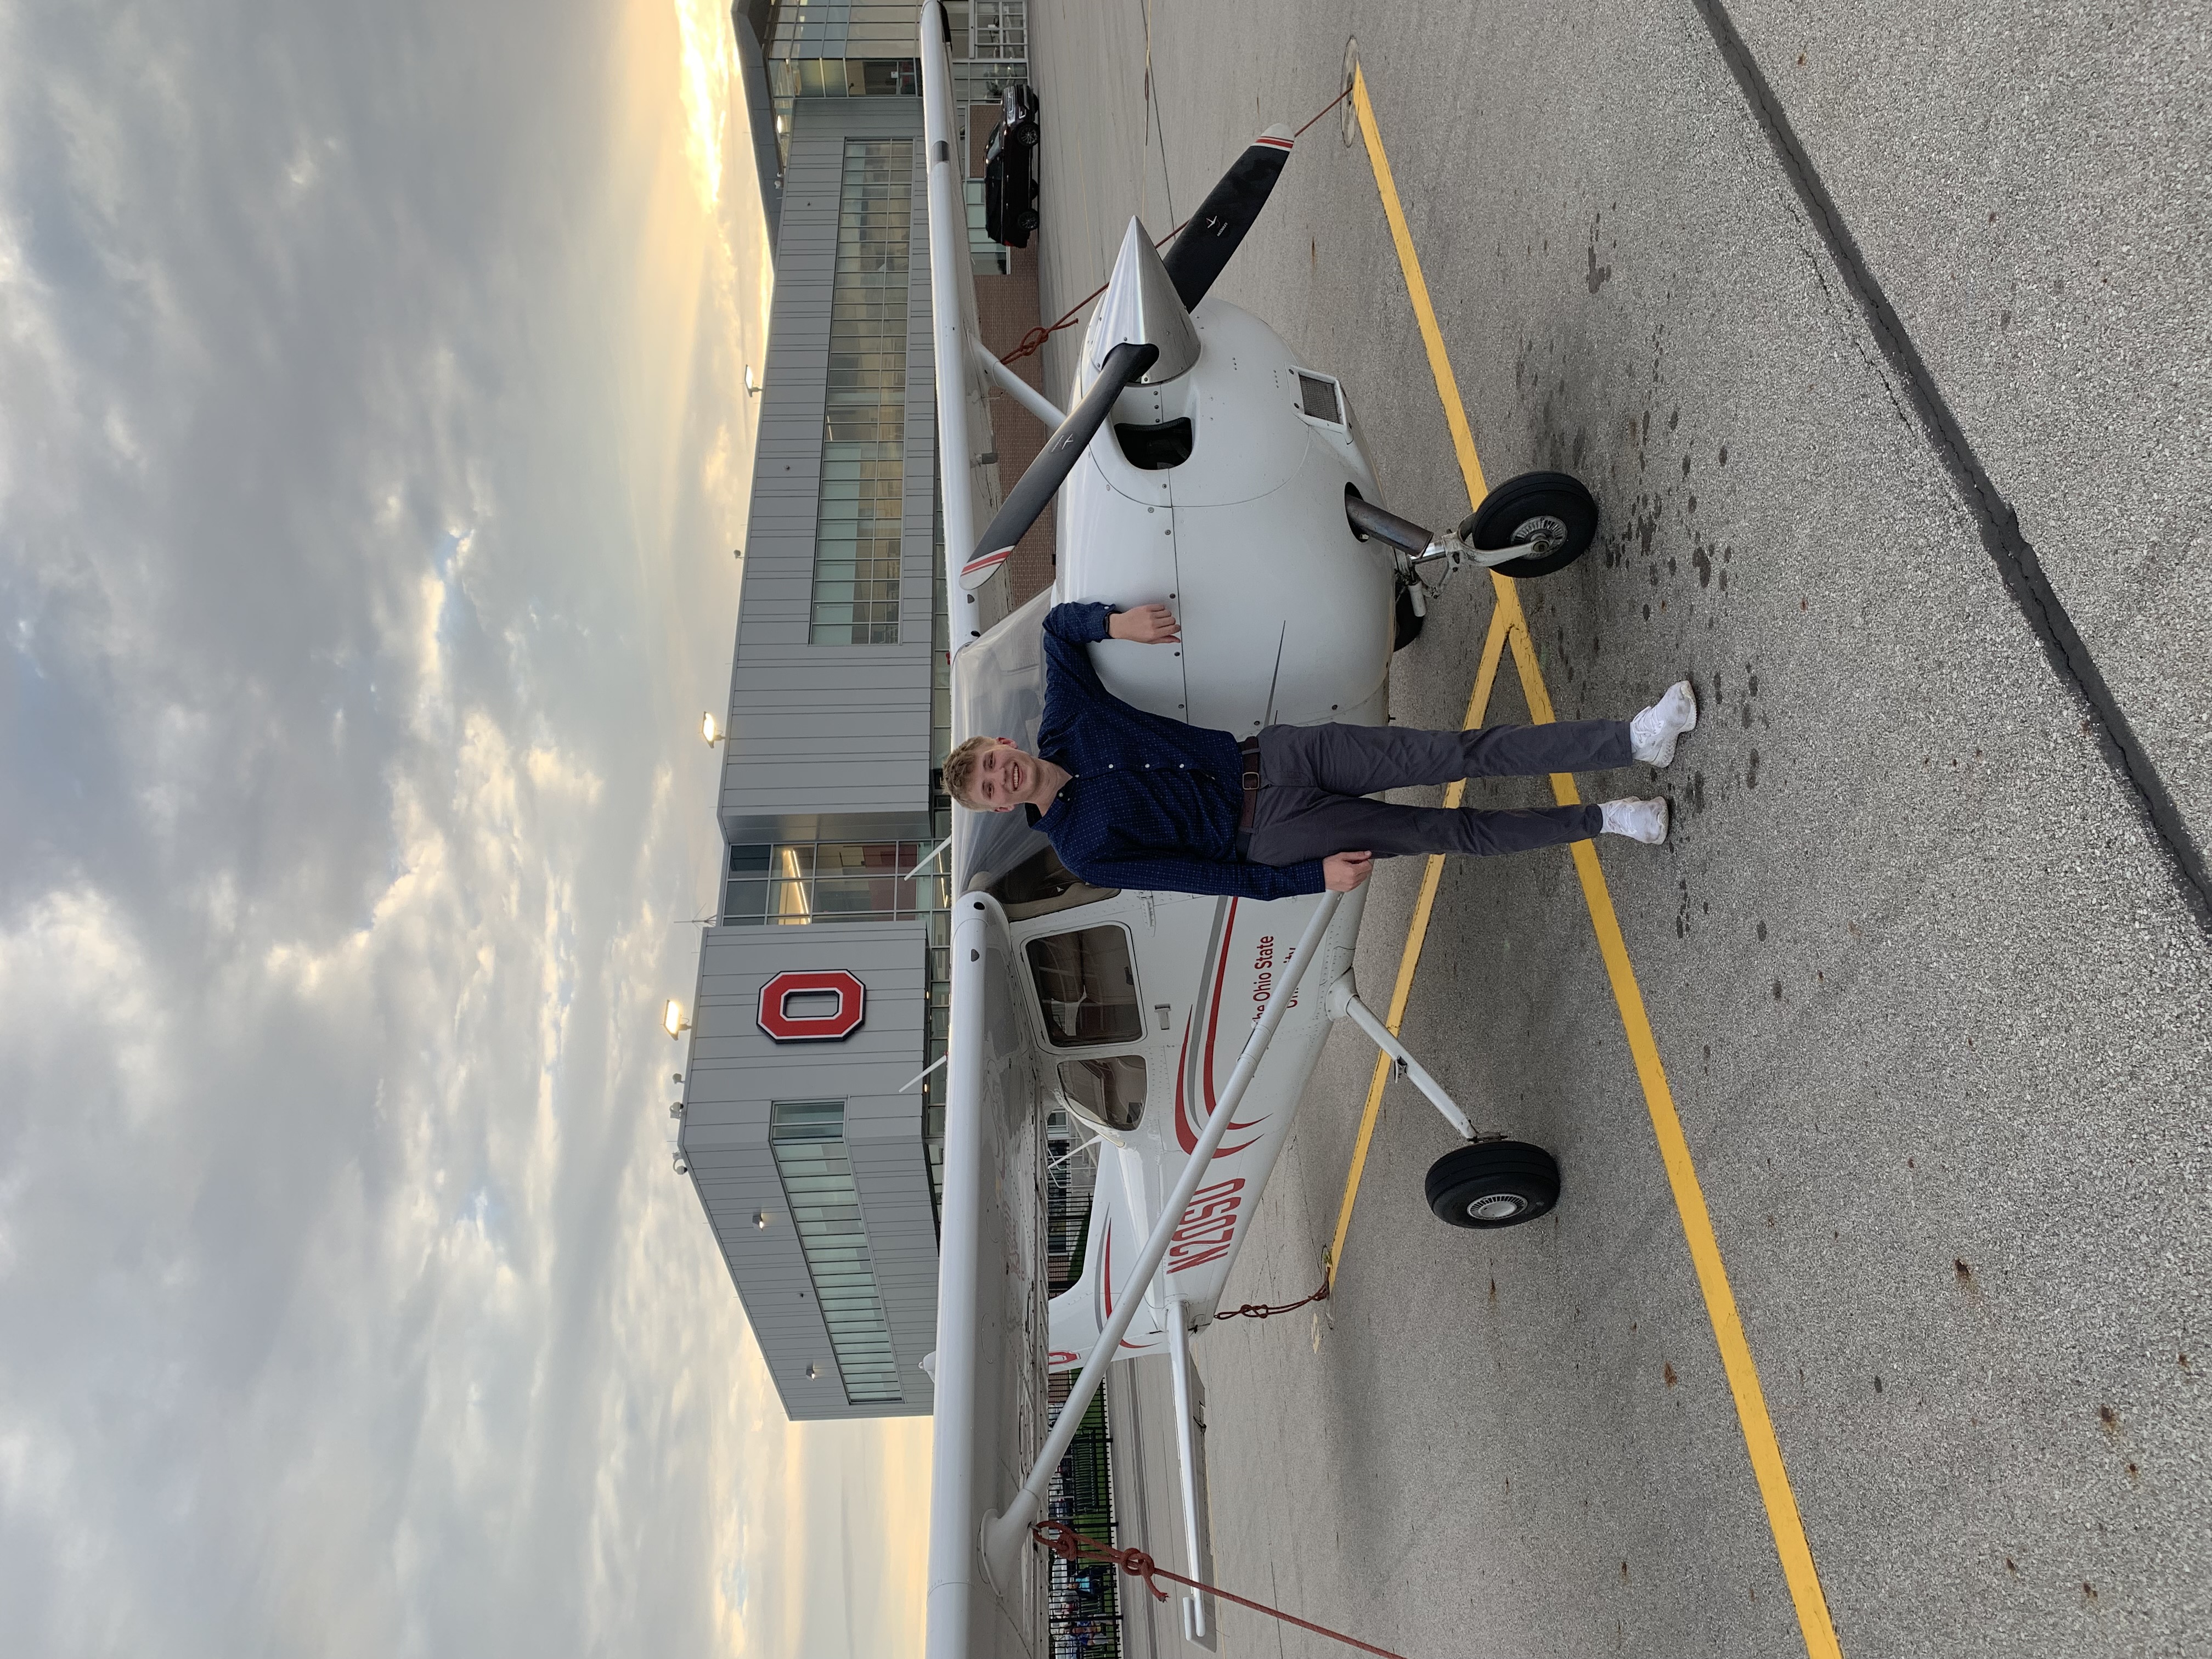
[[1069, 631], [1223, 877]]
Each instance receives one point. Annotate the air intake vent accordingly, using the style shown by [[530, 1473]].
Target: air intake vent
[[1317, 396], [1155, 448]]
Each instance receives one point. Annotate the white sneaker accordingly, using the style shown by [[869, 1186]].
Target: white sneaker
[[1652, 733], [1638, 820]]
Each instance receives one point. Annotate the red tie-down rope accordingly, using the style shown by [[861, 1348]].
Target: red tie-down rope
[[1264, 1310], [1032, 341], [1064, 1541]]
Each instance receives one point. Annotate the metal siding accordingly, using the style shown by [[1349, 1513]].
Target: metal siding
[[735, 1072], [835, 740], [834, 728]]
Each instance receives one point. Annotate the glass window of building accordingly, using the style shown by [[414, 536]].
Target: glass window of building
[[985, 257], [808, 1140], [841, 49], [863, 49], [794, 883], [857, 523]]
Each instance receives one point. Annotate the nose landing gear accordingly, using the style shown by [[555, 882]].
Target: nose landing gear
[[1529, 525]]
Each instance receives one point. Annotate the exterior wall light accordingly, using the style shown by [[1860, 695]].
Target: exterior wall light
[[813, 1371], [711, 729], [752, 387], [676, 1109], [683, 1165], [761, 1219], [672, 1020]]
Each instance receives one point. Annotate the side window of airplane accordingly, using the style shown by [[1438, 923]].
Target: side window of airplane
[[1109, 1092], [1041, 884], [1086, 986]]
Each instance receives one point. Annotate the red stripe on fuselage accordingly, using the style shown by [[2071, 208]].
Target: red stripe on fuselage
[[1106, 1283], [1187, 1130]]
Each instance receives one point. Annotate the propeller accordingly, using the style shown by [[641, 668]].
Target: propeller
[[1225, 215], [1151, 325], [1027, 500]]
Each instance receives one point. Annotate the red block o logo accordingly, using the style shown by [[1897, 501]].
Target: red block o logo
[[832, 1005]]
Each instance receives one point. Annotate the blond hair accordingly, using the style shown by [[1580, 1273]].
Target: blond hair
[[960, 770]]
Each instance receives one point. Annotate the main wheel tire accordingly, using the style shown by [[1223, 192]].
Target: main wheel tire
[[1493, 1183], [1533, 506], [1406, 622]]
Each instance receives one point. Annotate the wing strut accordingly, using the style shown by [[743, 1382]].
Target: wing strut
[[1198, 1623], [1003, 1534]]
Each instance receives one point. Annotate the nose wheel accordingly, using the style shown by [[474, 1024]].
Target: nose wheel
[[1548, 517], [1493, 1183], [1530, 526]]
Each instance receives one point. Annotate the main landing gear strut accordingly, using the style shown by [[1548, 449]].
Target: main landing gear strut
[[1492, 1181]]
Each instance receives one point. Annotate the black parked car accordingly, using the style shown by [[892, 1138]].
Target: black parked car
[[1010, 181]]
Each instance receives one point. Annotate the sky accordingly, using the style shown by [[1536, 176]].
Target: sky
[[373, 444]]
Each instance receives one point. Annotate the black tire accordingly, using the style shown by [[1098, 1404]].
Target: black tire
[[1029, 221], [1029, 138], [1405, 622], [1503, 519], [1493, 1183]]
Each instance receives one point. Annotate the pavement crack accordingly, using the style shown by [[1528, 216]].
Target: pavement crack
[[2018, 567]]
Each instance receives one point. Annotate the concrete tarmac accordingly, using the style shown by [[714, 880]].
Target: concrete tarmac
[[1931, 1002]]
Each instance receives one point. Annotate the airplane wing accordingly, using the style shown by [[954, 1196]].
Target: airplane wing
[[992, 1305], [992, 1311], [967, 454]]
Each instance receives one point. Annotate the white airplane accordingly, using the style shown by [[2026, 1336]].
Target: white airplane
[[1205, 465]]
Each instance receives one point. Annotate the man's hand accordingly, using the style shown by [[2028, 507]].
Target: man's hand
[[1342, 871], [1147, 624]]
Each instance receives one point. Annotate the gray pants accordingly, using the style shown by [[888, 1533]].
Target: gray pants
[[1312, 777]]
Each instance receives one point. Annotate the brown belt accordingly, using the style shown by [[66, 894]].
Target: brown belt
[[1249, 750]]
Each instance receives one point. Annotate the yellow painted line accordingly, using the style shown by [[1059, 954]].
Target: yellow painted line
[[1788, 1528], [1486, 677], [1417, 287]]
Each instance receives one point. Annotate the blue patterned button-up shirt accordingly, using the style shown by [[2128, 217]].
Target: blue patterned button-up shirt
[[1150, 803]]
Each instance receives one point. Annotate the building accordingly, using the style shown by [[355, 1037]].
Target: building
[[811, 1129]]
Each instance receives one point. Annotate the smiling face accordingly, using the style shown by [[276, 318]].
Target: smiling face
[[1004, 777]]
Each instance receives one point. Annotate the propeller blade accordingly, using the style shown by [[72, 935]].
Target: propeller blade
[[1027, 499], [1225, 215]]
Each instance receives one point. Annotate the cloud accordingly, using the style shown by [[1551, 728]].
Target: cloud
[[371, 444]]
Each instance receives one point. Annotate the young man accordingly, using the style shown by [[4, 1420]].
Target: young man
[[1132, 799]]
